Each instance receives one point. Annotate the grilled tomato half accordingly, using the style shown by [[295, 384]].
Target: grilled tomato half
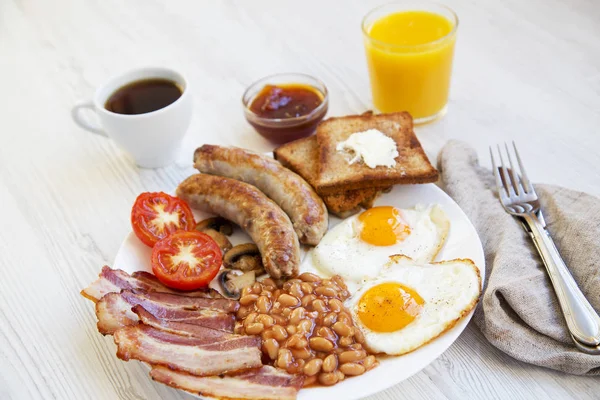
[[155, 216], [186, 260]]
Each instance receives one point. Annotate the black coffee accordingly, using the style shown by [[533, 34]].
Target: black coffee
[[143, 96]]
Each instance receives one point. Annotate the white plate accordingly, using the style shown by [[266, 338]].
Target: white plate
[[462, 242]]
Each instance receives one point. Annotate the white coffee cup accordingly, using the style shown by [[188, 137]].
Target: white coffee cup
[[153, 138]]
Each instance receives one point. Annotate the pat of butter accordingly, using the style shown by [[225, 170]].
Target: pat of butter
[[372, 147]]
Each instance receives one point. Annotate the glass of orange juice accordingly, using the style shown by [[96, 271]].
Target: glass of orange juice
[[409, 47]]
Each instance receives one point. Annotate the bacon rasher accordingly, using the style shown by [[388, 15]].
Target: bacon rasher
[[267, 383], [114, 311], [215, 353], [115, 280]]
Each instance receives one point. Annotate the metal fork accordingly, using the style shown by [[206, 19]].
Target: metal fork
[[519, 199]]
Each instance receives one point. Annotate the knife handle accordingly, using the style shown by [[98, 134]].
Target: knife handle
[[582, 321]]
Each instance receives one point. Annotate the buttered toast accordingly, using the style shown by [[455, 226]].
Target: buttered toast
[[337, 174], [302, 157]]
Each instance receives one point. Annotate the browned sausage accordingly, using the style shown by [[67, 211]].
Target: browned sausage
[[268, 226], [289, 190]]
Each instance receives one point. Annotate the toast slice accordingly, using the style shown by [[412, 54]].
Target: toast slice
[[302, 156], [337, 174]]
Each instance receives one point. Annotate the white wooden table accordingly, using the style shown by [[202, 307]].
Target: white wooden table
[[528, 71]]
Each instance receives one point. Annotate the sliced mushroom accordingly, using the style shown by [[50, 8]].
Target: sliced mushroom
[[244, 257], [219, 224], [232, 282], [221, 239]]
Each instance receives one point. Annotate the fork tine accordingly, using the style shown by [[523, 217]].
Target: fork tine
[[524, 179], [499, 184], [513, 174], [506, 180]]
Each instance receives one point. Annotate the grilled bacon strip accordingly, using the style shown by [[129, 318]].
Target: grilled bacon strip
[[114, 311], [115, 280], [267, 383], [185, 327], [216, 354]]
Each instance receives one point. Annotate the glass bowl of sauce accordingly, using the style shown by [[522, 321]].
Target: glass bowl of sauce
[[285, 107]]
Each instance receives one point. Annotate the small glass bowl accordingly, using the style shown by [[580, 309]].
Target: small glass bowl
[[283, 130]]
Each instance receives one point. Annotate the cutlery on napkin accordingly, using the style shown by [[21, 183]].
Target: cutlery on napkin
[[519, 312]]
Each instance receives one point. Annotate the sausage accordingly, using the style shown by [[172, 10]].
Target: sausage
[[289, 190], [268, 226]]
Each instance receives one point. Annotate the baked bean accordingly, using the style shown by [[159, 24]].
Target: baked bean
[[313, 367], [269, 282], [243, 312], [340, 375], [256, 288], [312, 314], [271, 347], [267, 334], [307, 300], [250, 319], [339, 281], [330, 363], [352, 369], [307, 288], [370, 362], [326, 291], [297, 341], [305, 326], [266, 320], [330, 319], [302, 354], [356, 346], [344, 317], [263, 304], [320, 344], [245, 291], [255, 328], [276, 309], [286, 312], [351, 356], [248, 299], [279, 332], [291, 329], [309, 380], [345, 341], [238, 329], [326, 333], [279, 319], [295, 367], [358, 336], [342, 329], [288, 301], [335, 305], [328, 378], [284, 358], [308, 277], [319, 305], [296, 291], [297, 315]]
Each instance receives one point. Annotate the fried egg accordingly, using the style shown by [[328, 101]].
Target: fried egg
[[410, 304], [358, 247]]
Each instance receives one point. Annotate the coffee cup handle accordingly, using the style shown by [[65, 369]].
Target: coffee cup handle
[[82, 122]]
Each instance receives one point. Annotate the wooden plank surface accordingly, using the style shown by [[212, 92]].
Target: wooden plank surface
[[528, 71]]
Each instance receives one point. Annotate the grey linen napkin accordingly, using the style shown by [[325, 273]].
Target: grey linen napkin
[[519, 313]]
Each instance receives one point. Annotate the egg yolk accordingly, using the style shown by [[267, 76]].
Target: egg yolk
[[389, 307], [383, 226]]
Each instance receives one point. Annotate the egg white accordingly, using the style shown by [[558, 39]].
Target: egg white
[[342, 252], [450, 290]]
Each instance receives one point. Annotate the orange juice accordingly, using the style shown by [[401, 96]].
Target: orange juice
[[409, 56]]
